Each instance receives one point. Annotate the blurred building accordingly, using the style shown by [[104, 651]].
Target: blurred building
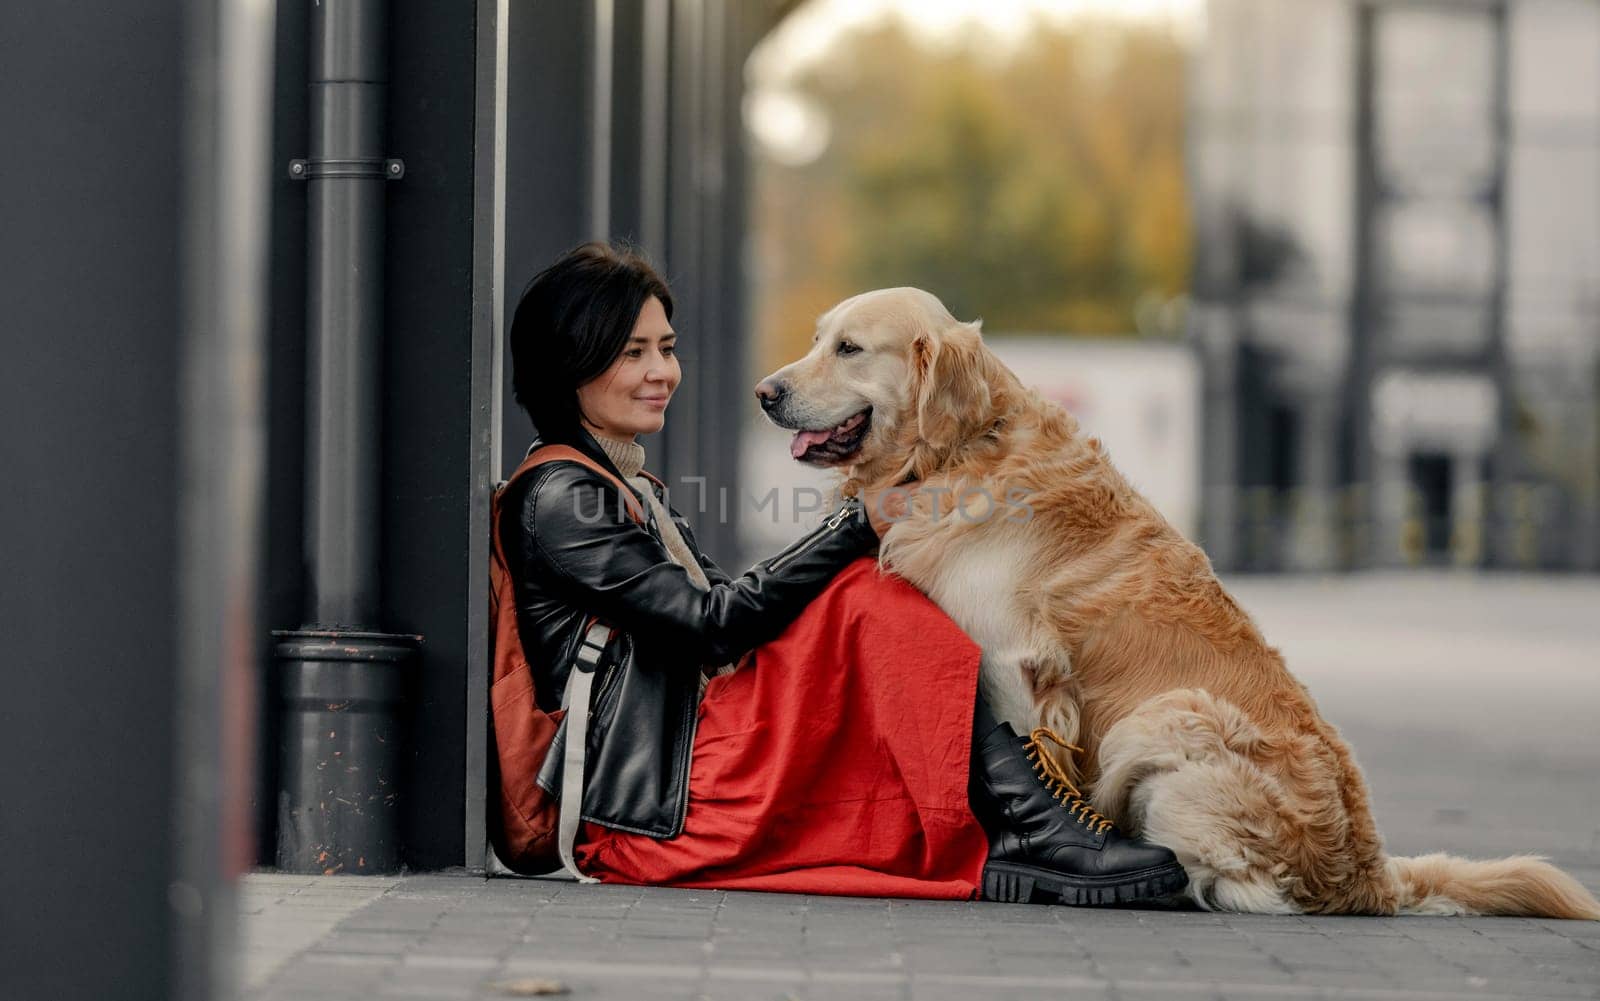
[[1397, 282]]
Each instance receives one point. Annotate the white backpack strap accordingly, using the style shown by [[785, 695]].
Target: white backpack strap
[[579, 684]]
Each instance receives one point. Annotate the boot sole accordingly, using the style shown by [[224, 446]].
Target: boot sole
[[1023, 884]]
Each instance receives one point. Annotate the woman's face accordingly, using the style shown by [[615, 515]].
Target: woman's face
[[630, 397]]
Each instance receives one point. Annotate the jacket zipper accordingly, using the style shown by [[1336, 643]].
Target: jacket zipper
[[683, 799], [612, 671], [827, 528]]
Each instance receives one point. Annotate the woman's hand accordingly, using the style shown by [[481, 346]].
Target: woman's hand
[[887, 505]]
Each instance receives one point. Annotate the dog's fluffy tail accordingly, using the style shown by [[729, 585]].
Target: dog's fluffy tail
[[1522, 885]]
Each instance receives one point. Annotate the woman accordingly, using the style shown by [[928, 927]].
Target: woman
[[848, 753]]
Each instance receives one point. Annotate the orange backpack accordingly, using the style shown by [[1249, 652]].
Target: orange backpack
[[525, 837]]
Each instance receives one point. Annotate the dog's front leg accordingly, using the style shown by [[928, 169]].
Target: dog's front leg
[[1030, 687]]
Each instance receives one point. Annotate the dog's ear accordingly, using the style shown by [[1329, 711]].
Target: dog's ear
[[952, 375]]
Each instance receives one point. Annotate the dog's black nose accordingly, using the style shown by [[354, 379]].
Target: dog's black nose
[[770, 393]]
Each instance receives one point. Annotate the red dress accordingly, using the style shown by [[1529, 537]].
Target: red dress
[[833, 761]]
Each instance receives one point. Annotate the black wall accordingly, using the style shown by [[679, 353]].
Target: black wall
[[426, 370], [547, 162], [428, 367], [89, 444], [690, 160]]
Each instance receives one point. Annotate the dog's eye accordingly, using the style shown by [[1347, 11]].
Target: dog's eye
[[846, 348]]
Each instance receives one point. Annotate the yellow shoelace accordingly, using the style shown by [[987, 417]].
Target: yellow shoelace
[[1056, 780]]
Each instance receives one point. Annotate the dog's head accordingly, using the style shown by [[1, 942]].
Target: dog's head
[[892, 386]]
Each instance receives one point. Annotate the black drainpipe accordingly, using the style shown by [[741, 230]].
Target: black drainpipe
[[343, 683]]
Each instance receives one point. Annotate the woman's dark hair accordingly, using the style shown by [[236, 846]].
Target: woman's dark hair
[[572, 321]]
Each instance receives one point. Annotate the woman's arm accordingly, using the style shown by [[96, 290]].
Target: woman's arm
[[619, 571]]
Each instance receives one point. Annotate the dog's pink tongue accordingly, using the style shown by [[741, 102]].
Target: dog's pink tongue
[[804, 440]]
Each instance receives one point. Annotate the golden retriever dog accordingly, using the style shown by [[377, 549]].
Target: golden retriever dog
[[1101, 622]]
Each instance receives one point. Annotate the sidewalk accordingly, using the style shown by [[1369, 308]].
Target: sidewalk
[[1469, 703], [453, 937]]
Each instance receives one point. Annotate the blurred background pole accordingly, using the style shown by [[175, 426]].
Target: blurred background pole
[[342, 681], [132, 262], [227, 139]]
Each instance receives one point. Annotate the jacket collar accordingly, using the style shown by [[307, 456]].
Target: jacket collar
[[585, 443]]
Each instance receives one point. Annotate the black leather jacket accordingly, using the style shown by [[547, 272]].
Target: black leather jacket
[[568, 561]]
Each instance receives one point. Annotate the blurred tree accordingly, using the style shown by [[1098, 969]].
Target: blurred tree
[[1041, 188]]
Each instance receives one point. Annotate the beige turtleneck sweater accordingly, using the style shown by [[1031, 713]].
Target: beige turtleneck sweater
[[628, 457]]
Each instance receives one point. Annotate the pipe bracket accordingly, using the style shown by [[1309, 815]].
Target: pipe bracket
[[388, 168]]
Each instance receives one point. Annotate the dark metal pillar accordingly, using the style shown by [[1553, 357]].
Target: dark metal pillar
[[1356, 451], [1505, 454], [342, 682], [488, 403]]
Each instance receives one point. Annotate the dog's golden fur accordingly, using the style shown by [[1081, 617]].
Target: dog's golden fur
[[1101, 620]]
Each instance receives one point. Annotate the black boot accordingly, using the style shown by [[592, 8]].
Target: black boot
[[1046, 843]]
